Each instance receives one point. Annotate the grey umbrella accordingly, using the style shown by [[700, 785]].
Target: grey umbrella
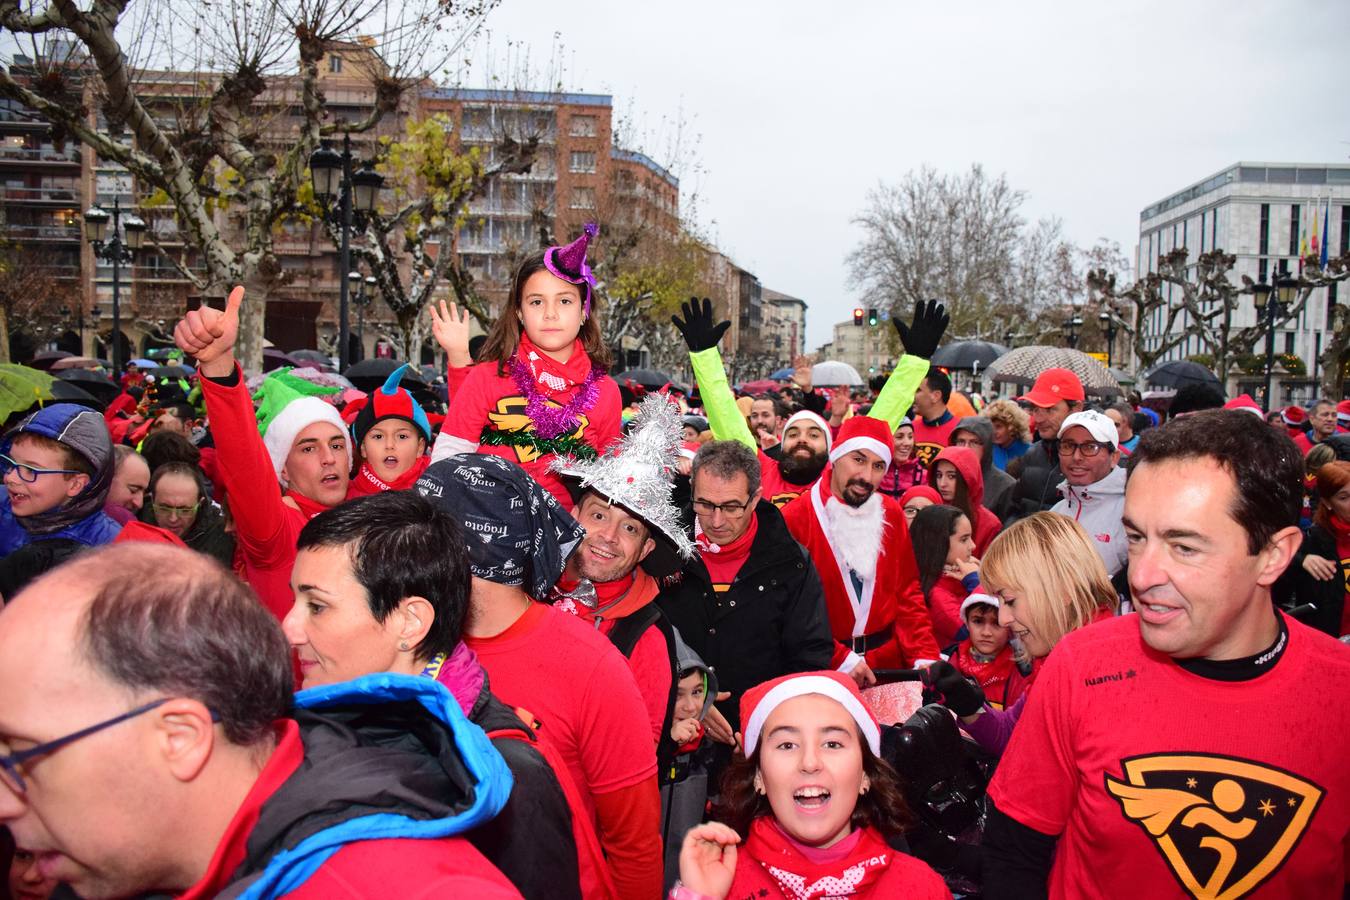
[[1022, 365], [1178, 373]]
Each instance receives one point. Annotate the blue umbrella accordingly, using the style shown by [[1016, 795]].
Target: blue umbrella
[[784, 374], [144, 363]]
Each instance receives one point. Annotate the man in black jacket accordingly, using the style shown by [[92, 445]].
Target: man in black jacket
[[750, 602], [1056, 394]]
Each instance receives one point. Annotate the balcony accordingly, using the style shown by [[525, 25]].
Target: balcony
[[39, 195], [41, 232], [42, 156]]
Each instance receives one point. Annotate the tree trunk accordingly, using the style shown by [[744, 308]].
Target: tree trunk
[[4, 336], [1335, 354]]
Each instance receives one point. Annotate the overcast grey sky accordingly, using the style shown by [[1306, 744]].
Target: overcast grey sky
[[1094, 109]]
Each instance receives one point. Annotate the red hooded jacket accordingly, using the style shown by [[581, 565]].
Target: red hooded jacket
[[984, 524]]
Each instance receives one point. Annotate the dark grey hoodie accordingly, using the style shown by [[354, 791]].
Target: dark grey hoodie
[[998, 485]]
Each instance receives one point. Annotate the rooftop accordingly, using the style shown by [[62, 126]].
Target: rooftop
[[644, 160], [489, 95], [1311, 174]]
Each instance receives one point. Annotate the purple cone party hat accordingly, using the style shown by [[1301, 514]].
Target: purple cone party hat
[[638, 473], [569, 263]]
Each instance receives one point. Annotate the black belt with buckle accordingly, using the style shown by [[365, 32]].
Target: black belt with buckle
[[869, 642]]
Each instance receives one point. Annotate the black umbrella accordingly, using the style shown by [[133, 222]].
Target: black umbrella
[[314, 358], [45, 359], [65, 392], [98, 385], [973, 355], [651, 379], [171, 373], [275, 359], [1178, 373], [370, 374]]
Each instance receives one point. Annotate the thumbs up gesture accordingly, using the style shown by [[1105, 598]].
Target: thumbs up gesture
[[209, 335]]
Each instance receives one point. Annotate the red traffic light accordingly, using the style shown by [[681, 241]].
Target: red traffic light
[[857, 315]]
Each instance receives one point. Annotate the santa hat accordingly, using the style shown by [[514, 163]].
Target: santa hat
[[569, 263], [1245, 403], [863, 433], [284, 413], [813, 419], [978, 599], [760, 701], [391, 402], [1294, 416], [1343, 413]]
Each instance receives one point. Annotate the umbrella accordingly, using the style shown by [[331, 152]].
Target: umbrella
[[46, 358], [370, 374], [1022, 365], [783, 374], [311, 357], [651, 379], [141, 362], [65, 392], [100, 386], [833, 373], [972, 355], [275, 359], [763, 385], [21, 387], [170, 372], [1178, 373], [76, 362], [1121, 376]]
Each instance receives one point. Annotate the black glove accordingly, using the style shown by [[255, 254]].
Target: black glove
[[698, 329], [922, 336], [959, 694]]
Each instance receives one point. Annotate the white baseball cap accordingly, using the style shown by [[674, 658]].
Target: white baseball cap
[[1102, 429]]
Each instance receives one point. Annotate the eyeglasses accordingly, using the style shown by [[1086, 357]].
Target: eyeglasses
[[30, 473], [731, 509], [10, 762], [181, 512], [1089, 449]]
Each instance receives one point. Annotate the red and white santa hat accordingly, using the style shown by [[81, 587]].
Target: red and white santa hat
[[1294, 416], [863, 433], [761, 700], [811, 417], [1245, 403], [1343, 413]]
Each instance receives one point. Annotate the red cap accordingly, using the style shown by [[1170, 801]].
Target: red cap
[[758, 703], [1052, 386]]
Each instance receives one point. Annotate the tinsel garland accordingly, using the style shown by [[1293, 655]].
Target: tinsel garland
[[564, 446], [552, 421]]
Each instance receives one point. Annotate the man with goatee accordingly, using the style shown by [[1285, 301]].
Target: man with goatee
[[859, 542]]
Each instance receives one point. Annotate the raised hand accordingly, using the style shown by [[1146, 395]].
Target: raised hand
[[801, 372], [209, 335], [922, 336], [451, 328], [697, 326], [708, 859]]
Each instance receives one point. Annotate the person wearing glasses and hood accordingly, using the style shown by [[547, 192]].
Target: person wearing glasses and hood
[[1094, 484], [58, 467], [180, 503]]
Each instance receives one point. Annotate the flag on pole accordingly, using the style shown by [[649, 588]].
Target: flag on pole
[[1326, 233], [1315, 246], [1302, 239]]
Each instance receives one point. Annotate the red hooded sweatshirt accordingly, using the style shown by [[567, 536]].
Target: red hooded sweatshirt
[[983, 523]]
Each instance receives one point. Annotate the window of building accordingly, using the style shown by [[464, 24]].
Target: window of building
[[1263, 238], [583, 161], [1288, 342], [1214, 231], [334, 63], [1293, 229], [1345, 231], [582, 126], [583, 198], [1261, 269]]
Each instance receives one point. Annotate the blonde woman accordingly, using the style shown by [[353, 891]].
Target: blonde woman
[[1012, 431], [1049, 581]]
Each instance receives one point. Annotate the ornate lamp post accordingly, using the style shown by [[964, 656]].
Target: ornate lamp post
[[1071, 327], [1268, 311], [355, 193], [101, 229], [1109, 328], [364, 298]]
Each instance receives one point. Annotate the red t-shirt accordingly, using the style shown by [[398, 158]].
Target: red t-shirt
[[773, 486], [1161, 783], [579, 687], [492, 401], [931, 437]]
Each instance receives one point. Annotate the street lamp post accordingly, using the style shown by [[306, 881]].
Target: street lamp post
[[356, 193], [364, 297], [1008, 339], [1268, 311], [1071, 327], [115, 249], [1109, 329]]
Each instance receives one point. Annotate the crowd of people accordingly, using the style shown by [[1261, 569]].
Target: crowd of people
[[573, 639]]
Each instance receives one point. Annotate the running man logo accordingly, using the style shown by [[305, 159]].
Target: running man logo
[[510, 416], [926, 453], [1223, 824], [783, 498]]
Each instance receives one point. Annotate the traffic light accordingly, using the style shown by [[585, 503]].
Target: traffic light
[[872, 317], [858, 316]]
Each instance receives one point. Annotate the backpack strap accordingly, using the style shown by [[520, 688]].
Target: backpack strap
[[624, 635]]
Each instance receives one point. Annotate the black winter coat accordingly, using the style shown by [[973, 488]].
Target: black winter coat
[[1296, 588], [1038, 482], [770, 622]]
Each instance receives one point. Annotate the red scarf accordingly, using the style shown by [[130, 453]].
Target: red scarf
[[367, 482], [989, 675], [848, 869], [725, 562], [552, 376], [614, 599]]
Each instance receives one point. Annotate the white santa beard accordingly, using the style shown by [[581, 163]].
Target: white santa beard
[[856, 532]]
